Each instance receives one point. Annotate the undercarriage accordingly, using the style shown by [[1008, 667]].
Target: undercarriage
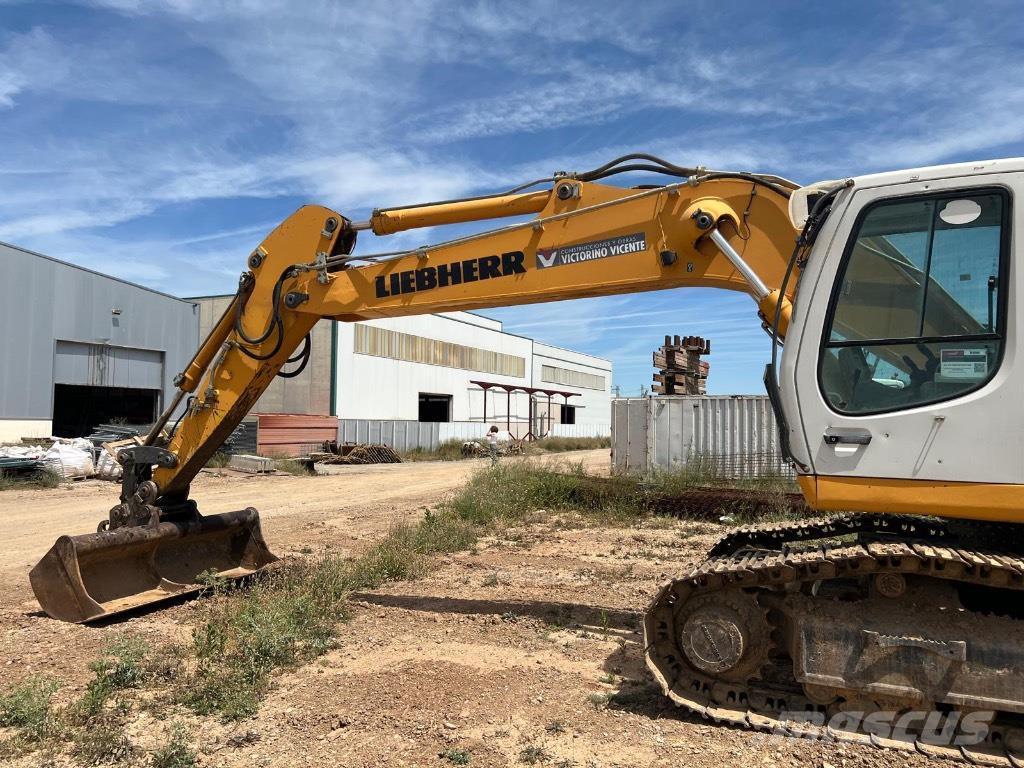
[[896, 631]]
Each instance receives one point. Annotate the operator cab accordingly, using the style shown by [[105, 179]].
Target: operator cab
[[901, 364]]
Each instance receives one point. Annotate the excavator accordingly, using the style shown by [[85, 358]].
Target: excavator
[[890, 302]]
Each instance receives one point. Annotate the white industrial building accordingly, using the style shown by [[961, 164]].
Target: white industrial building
[[441, 368], [462, 367]]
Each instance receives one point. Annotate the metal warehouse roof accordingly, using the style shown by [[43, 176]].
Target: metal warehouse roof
[[93, 272]]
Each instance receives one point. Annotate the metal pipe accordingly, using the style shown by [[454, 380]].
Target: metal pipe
[[154, 433], [385, 222], [543, 221], [188, 379], [753, 280]]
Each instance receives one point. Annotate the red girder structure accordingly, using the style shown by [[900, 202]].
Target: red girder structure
[[509, 389]]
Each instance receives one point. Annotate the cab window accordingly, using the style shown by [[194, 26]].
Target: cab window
[[917, 313]]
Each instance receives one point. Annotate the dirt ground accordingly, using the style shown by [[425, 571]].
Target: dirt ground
[[505, 655]]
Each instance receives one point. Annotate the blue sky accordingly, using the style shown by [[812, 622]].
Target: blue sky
[[160, 140]]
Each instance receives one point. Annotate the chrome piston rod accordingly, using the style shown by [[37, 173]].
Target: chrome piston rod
[[756, 284]]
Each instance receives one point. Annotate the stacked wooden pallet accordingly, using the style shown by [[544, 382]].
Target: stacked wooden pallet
[[680, 369]]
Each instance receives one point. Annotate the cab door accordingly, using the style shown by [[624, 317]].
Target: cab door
[[906, 366]]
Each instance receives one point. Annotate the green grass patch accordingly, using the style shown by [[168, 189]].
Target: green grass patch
[[533, 754], [91, 728], [103, 743], [121, 665], [245, 635], [708, 472], [292, 615], [513, 492], [42, 478], [293, 467], [176, 753], [26, 706], [449, 450], [562, 444], [456, 756], [765, 498]]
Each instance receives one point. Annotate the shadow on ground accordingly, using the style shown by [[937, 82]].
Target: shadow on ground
[[563, 614]]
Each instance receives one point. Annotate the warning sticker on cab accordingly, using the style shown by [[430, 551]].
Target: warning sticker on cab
[[961, 364], [597, 249]]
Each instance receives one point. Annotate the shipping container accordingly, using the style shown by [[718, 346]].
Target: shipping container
[[736, 435]]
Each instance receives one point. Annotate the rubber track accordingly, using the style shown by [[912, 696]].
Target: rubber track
[[971, 533], [774, 536], [723, 702]]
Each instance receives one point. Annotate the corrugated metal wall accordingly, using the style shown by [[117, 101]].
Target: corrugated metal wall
[[553, 374], [381, 342], [307, 393], [43, 301], [405, 435], [738, 435], [100, 365], [400, 435]]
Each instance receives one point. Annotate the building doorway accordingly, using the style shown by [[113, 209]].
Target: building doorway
[[78, 409], [435, 408]]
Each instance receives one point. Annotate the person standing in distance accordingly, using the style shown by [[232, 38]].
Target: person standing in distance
[[492, 444]]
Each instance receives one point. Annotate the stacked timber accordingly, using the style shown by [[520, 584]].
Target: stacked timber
[[680, 369]]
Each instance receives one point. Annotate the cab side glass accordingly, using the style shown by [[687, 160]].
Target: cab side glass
[[916, 313]]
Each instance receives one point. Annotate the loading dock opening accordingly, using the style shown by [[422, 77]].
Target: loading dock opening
[[77, 409], [435, 408]]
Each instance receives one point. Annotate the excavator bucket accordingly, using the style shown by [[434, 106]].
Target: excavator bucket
[[96, 575]]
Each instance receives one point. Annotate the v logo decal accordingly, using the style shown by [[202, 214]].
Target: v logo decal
[[547, 260]]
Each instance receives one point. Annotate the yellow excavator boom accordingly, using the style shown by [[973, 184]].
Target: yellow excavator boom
[[585, 240]]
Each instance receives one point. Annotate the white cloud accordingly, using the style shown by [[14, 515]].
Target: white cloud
[[10, 83], [361, 126], [30, 60]]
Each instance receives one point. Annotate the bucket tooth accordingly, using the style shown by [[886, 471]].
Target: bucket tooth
[[84, 578]]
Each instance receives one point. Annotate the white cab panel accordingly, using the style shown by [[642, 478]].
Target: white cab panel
[[976, 437]]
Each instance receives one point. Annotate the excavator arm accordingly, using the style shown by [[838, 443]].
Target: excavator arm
[[585, 239], [576, 239]]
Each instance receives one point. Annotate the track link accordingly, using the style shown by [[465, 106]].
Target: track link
[[970, 533], [774, 536], [761, 560]]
